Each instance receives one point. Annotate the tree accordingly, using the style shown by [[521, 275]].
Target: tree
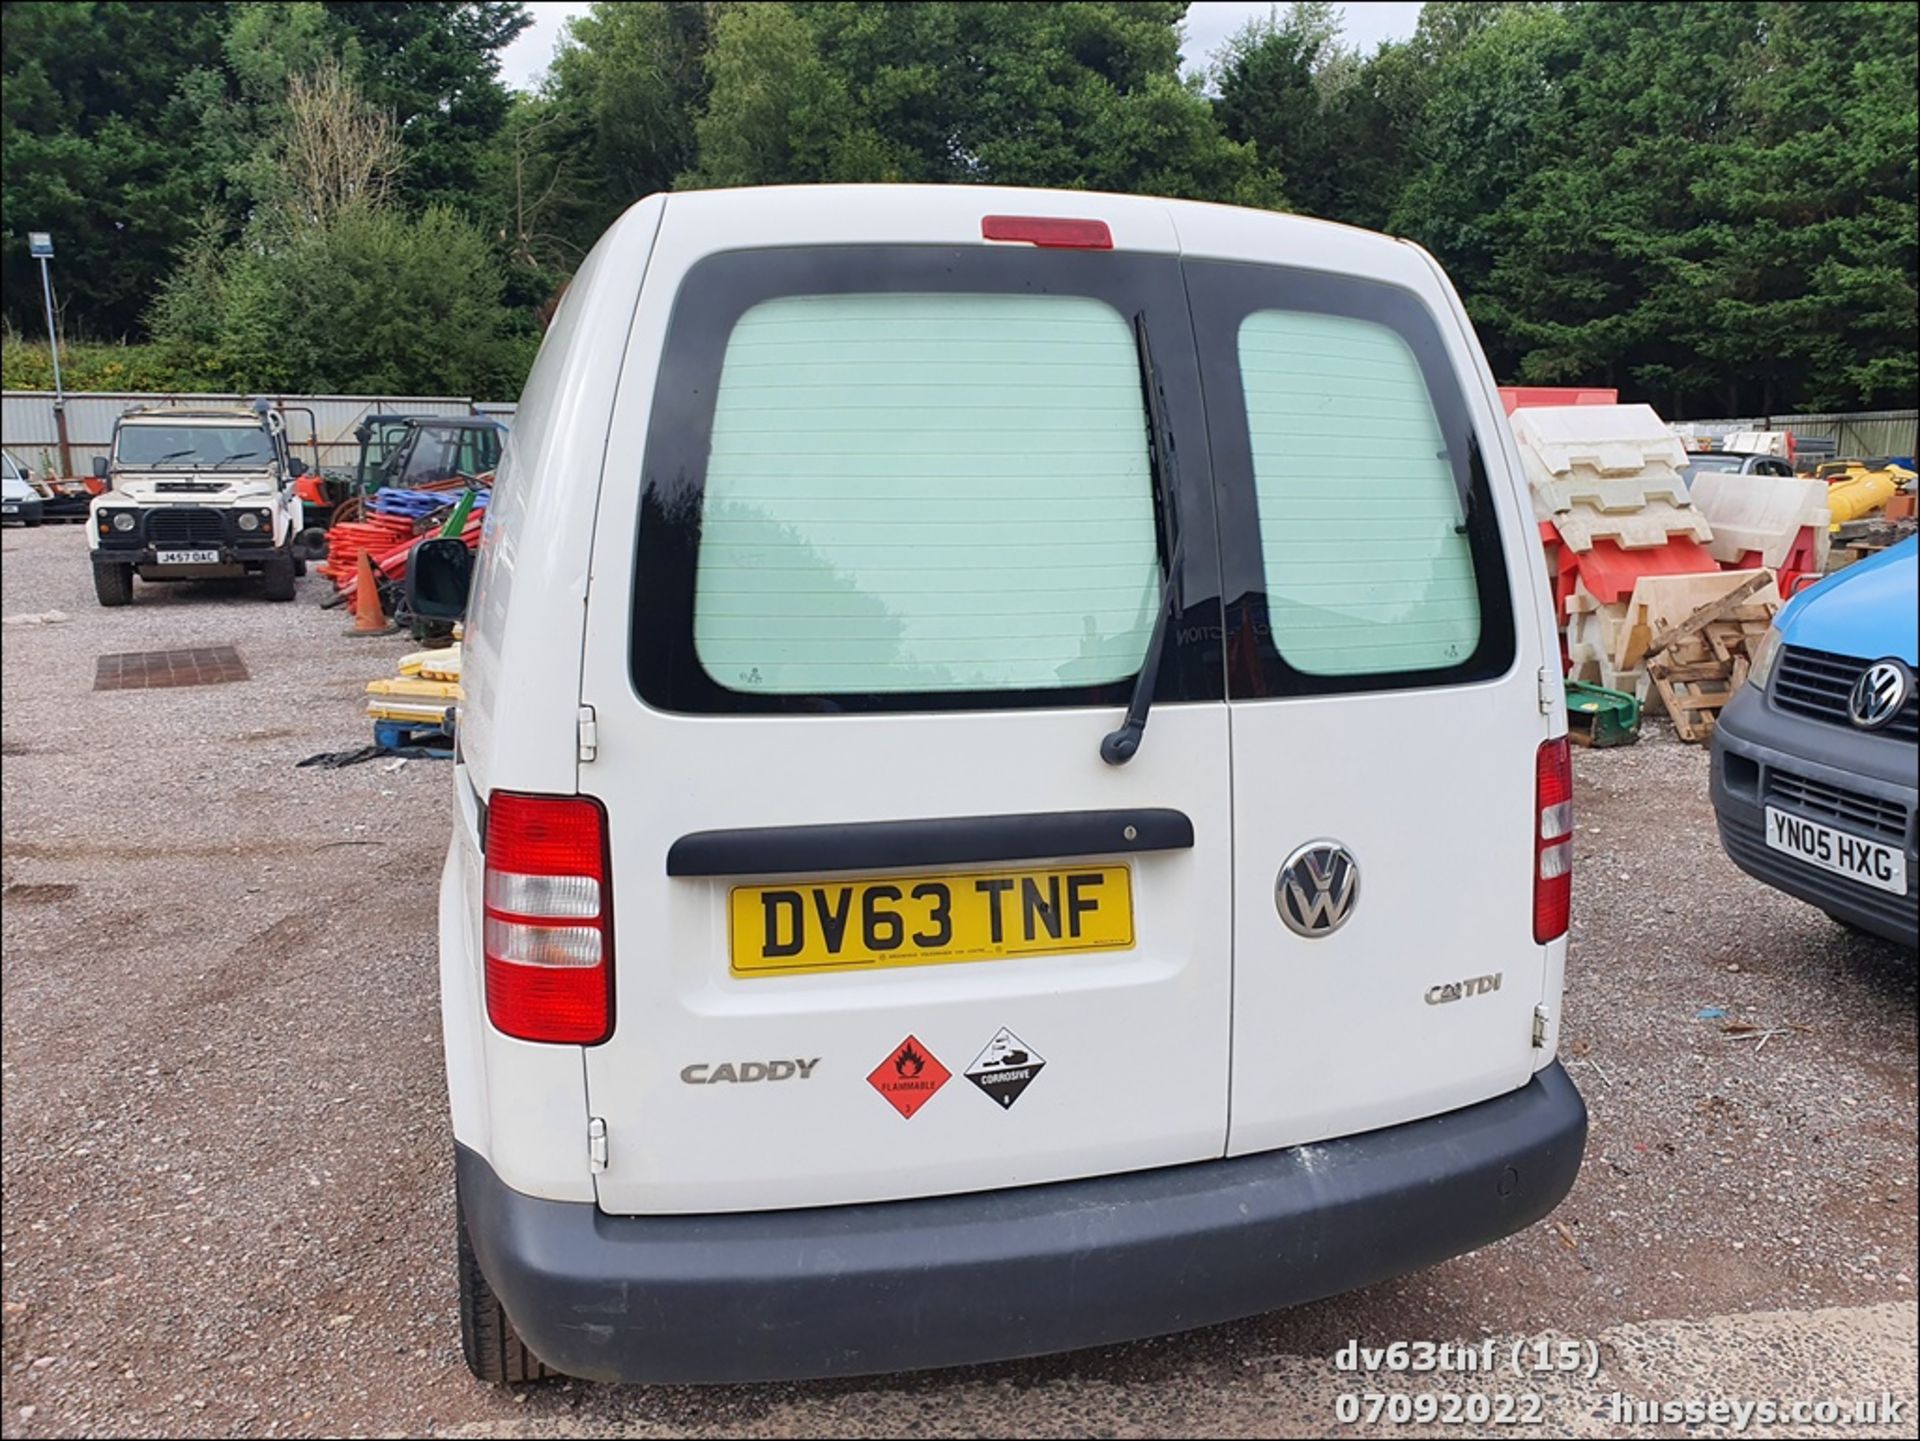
[[124, 122], [1072, 95], [89, 150], [376, 302], [435, 67], [334, 286], [636, 75], [337, 151], [1733, 237], [778, 114], [1338, 127]]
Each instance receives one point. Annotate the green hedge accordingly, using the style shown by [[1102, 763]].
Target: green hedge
[[26, 366]]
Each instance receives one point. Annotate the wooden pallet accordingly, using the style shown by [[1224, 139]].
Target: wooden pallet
[[1697, 663], [1693, 693]]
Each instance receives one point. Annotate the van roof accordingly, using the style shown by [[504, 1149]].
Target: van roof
[[780, 215]]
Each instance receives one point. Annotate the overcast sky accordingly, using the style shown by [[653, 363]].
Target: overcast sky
[[1208, 24]]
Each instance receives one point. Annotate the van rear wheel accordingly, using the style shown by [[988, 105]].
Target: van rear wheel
[[495, 1353], [113, 584]]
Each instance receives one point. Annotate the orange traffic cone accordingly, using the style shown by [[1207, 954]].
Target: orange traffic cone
[[368, 617]]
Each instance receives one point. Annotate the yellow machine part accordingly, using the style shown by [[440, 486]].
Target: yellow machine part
[[1862, 493]]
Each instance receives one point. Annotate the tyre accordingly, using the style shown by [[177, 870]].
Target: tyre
[[113, 584], [495, 1353], [33, 520], [277, 576]]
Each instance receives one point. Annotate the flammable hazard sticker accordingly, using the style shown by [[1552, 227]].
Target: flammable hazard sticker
[[908, 1078], [1005, 1068]]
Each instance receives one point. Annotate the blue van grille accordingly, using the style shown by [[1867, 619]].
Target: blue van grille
[[1838, 805], [1817, 683]]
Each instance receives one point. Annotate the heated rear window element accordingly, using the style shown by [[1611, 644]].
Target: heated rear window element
[[914, 493], [1367, 564]]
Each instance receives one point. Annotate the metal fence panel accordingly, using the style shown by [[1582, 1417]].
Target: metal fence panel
[[320, 427], [1865, 433]]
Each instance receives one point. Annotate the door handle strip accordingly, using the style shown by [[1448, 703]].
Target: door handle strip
[[954, 840]]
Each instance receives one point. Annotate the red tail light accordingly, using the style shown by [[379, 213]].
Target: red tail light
[[1049, 232], [1552, 841], [548, 919]]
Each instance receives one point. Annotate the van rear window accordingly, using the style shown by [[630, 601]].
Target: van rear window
[[919, 493], [1358, 535], [897, 478], [1361, 525]]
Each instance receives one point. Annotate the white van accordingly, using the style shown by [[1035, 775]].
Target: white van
[[1013, 791]]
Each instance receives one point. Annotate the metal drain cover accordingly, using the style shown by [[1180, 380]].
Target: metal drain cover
[[153, 669]]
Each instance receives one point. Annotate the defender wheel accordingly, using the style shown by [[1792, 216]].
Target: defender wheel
[[495, 1353], [277, 575], [113, 584]]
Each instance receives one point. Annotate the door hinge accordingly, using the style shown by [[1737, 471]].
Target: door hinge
[[596, 1145], [589, 734], [1546, 691], [1539, 1027]]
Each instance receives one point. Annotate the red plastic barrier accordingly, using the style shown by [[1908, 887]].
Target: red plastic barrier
[[1800, 560], [391, 560]]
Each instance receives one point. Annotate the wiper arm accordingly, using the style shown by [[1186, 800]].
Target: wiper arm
[[1119, 746]]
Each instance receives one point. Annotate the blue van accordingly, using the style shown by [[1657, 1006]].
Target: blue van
[[1816, 761]]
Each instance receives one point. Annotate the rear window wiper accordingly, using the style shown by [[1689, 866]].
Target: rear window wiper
[[1118, 747]]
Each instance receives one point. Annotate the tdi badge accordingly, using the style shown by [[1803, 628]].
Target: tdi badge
[[1005, 1068]]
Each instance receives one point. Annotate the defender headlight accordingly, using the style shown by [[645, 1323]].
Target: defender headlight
[[123, 520], [249, 520], [1760, 664]]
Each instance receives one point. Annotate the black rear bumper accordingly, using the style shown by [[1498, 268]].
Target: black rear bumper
[[953, 1280]]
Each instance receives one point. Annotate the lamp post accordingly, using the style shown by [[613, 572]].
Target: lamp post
[[40, 244]]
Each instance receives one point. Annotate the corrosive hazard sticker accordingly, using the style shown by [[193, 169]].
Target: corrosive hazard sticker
[[909, 1077], [1005, 1068]]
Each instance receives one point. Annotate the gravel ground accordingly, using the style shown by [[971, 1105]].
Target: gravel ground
[[226, 1166]]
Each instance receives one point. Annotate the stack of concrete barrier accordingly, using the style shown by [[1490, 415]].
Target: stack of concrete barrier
[[1774, 521], [1613, 511]]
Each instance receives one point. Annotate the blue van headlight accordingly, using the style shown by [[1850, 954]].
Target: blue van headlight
[[1765, 653]]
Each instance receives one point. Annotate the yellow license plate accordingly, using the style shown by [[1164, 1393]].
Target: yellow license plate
[[928, 920]]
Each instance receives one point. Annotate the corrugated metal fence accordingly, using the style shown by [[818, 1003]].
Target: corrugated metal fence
[[1863, 434], [320, 427]]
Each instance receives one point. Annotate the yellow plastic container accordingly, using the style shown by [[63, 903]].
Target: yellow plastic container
[[1862, 492]]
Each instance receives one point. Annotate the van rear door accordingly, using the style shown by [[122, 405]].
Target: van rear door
[[883, 528], [1383, 651]]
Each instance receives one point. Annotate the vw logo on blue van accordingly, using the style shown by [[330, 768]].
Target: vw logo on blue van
[[1317, 888], [1877, 696]]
